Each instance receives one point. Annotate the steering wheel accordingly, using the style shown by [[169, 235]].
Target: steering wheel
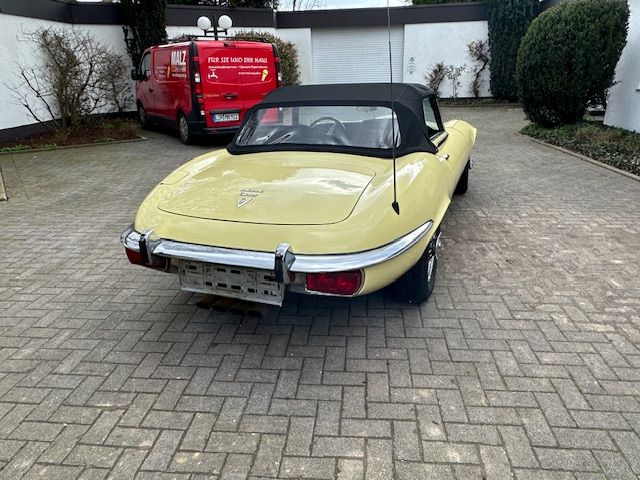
[[335, 121]]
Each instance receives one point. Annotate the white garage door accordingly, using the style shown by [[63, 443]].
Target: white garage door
[[356, 55]]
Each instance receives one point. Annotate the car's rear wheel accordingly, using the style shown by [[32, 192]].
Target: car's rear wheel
[[184, 131], [142, 116], [463, 183], [416, 286]]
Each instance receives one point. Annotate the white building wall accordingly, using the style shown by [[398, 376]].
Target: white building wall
[[15, 52], [426, 44], [623, 108]]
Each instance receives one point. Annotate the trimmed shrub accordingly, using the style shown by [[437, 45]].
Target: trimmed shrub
[[568, 57], [288, 54], [508, 22]]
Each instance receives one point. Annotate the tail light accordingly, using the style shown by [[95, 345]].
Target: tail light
[[197, 80], [335, 283], [137, 258], [278, 72], [134, 257]]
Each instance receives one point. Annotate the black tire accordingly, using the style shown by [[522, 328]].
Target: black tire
[[184, 130], [142, 116], [416, 286], [463, 183]]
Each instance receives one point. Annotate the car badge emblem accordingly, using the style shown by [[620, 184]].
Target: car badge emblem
[[246, 195]]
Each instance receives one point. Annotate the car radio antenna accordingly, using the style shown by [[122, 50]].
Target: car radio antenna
[[395, 205]]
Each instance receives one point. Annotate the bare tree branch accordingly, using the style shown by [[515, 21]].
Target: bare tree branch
[[75, 77]]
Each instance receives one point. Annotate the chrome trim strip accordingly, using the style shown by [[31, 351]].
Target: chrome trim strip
[[439, 138], [267, 261], [130, 239], [356, 261], [222, 256]]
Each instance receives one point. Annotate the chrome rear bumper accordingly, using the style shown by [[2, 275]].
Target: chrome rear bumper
[[281, 261]]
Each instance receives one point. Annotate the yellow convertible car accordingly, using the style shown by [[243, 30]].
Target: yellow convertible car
[[325, 190]]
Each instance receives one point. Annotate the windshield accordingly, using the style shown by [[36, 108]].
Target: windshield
[[354, 126]]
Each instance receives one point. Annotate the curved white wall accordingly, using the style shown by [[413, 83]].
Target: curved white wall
[[623, 108]]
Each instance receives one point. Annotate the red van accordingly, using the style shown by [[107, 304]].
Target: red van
[[204, 86]]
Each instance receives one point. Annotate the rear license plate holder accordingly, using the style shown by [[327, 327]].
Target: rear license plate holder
[[249, 284]]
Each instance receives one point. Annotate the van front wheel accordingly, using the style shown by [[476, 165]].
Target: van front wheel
[[184, 130], [142, 116]]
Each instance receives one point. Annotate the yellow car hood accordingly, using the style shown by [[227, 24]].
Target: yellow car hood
[[270, 189]]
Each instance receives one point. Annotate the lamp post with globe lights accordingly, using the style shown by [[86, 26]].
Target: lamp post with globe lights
[[223, 23]]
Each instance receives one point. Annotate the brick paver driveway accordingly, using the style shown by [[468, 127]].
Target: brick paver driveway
[[525, 364]]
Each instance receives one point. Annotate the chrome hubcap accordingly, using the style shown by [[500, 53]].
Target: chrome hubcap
[[434, 246], [430, 264]]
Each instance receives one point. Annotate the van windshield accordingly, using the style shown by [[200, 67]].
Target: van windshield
[[354, 126]]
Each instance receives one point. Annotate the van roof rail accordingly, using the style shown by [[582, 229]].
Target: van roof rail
[[189, 38]]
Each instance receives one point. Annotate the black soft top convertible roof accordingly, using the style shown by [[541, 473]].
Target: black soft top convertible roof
[[407, 102], [409, 95]]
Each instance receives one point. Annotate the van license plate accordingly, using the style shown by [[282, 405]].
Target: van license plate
[[226, 117]]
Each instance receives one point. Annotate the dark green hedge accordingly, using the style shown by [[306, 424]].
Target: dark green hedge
[[508, 22], [568, 57]]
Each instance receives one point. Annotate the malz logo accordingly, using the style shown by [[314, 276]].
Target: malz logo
[[178, 57]]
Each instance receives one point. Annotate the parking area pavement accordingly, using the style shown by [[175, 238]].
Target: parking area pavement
[[524, 364]]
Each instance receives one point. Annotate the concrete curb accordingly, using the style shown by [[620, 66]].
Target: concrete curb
[[3, 192], [80, 145], [585, 158]]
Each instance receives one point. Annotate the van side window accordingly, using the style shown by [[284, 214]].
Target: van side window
[[145, 63], [430, 118]]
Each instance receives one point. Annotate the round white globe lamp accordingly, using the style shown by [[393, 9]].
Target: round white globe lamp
[[224, 22], [204, 23]]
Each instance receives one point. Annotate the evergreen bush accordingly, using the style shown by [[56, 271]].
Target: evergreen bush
[[568, 57], [508, 22]]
